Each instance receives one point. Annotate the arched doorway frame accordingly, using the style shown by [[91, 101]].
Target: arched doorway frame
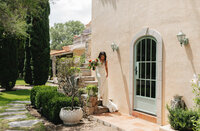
[[153, 33]]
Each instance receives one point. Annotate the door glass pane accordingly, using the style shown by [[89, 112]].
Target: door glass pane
[[143, 50], [148, 49], [138, 87], [143, 70], [153, 50], [138, 51], [147, 70], [153, 89], [147, 88], [142, 88], [153, 71]]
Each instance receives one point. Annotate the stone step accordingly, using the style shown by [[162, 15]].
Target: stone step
[[88, 78], [83, 68], [86, 72], [91, 83], [99, 103], [101, 109]]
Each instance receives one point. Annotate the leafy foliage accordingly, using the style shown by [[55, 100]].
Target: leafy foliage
[[68, 76], [38, 47], [9, 63], [63, 34], [181, 119], [50, 101], [14, 13], [37, 89], [93, 89]]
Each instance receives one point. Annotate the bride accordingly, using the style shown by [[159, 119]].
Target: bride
[[102, 75]]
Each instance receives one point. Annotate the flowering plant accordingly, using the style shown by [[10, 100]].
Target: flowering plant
[[93, 64]]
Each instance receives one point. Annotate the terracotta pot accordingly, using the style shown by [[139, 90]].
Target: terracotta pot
[[71, 117]]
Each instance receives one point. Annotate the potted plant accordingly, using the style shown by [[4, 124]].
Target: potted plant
[[69, 76], [92, 90]]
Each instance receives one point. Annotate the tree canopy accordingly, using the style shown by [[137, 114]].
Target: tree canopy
[[14, 15], [62, 34]]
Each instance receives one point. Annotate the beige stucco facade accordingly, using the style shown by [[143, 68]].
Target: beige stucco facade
[[120, 21]]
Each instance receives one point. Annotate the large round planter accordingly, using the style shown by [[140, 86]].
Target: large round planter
[[71, 117]]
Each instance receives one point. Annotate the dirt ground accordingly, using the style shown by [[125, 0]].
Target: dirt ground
[[85, 125]]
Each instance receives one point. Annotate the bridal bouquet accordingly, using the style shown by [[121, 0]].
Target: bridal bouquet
[[93, 64]]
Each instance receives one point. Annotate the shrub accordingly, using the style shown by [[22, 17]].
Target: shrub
[[50, 101], [181, 119], [92, 88], [36, 89], [52, 109], [43, 96]]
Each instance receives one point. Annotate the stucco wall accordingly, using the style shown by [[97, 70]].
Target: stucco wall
[[119, 20]]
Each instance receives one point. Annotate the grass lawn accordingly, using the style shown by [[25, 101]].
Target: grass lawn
[[19, 95], [20, 82]]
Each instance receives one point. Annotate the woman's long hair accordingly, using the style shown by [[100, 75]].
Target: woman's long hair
[[102, 53]]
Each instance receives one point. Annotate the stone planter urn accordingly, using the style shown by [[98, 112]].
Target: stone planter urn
[[71, 117]]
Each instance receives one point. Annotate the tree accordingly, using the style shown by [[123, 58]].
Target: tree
[[14, 13], [40, 45], [8, 61], [28, 68], [63, 34]]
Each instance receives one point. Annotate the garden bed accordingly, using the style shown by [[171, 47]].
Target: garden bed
[[86, 124]]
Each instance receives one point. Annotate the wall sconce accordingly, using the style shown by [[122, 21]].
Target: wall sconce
[[114, 47], [182, 38]]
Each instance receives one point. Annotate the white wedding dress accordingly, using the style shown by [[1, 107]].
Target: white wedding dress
[[103, 88]]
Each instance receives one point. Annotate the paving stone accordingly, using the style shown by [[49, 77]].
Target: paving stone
[[26, 102], [27, 123], [15, 109], [16, 104], [15, 117], [13, 130], [12, 113]]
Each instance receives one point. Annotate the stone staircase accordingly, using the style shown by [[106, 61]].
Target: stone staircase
[[86, 77], [94, 106]]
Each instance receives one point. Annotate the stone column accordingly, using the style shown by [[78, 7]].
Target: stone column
[[54, 66]]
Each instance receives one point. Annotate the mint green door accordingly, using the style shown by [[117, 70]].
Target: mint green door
[[145, 75]]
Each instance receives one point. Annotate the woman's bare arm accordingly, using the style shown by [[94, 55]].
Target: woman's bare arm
[[106, 65]]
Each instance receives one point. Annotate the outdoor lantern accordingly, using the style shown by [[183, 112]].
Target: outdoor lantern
[[114, 47], [182, 38]]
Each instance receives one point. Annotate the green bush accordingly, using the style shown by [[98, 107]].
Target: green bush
[[43, 96], [50, 101], [181, 119], [52, 109], [92, 88], [36, 89]]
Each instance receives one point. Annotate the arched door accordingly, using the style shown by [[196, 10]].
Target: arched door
[[145, 75]]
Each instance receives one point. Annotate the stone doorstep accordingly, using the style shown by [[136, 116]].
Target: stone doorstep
[[166, 128], [106, 123], [144, 116], [101, 109], [124, 122]]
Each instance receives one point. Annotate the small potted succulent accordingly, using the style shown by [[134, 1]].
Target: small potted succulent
[[69, 76]]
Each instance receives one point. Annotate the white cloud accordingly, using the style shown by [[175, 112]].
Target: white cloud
[[64, 10]]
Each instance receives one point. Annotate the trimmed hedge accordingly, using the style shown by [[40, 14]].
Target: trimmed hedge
[[50, 101], [36, 89], [52, 109]]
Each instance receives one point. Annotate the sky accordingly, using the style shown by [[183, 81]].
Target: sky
[[65, 10]]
